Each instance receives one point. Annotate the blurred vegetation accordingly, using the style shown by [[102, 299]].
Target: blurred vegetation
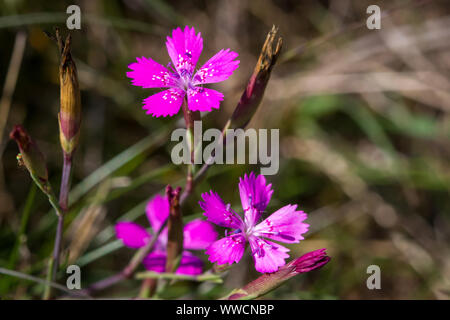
[[364, 119]]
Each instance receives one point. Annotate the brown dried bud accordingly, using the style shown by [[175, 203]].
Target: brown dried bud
[[70, 108], [253, 94], [174, 230], [31, 157]]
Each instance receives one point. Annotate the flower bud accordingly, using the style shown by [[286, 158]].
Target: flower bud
[[311, 261], [30, 156], [269, 281], [253, 94], [70, 108]]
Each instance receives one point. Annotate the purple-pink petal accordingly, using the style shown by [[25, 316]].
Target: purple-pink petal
[[198, 235], [184, 49], [218, 68], [218, 213], [164, 103], [189, 264], [285, 224], [155, 261], [157, 211], [203, 99], [268, 256], [255, 193], [132, 235], [147, 73], [227, 250]]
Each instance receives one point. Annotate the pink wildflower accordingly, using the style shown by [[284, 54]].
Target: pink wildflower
[[198, 235], [184, 49], [285, 225]]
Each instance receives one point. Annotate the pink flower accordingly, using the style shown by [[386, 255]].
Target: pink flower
[[198, 235], [184, 49], [285, 225]]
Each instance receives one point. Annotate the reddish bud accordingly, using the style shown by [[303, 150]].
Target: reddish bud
[[310, 261], [269, 281], [31, 157]]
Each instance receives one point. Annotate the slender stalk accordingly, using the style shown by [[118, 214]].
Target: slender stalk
[[48, 289], [51, 270], [148, 288], [173, 276], [65, 183], [57, 246], [63, 205], [191, 181], [189, 118]]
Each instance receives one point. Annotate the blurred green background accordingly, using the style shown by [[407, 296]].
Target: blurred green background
[[364, 138]]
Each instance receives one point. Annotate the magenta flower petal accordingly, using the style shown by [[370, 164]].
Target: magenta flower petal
[[198, 235], [132, 235], [218, 213], [268, 256], [189, 264], [147, 73], [255, 193], [227, 250], [218, 68], [285, 224], [155, 261], [203, 99], [164, 103], [157, 211], [184, 49]]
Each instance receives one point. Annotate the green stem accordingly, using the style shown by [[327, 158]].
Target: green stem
[[63, 205], [173, 276], [47, 189], [48, 280]]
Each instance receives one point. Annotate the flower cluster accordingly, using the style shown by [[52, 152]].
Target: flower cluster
[[285, 225]]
